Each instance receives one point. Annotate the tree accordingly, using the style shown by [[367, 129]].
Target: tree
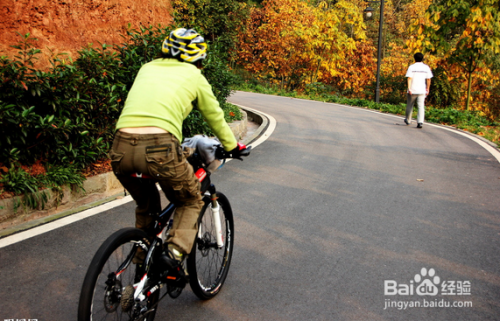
[[217, 20], [465, 31], [295, 42], [272, 45], [332, 36]]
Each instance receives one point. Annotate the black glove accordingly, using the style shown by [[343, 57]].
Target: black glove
[[240, 150]]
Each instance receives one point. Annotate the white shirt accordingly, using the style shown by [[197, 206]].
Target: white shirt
[[419, 72]]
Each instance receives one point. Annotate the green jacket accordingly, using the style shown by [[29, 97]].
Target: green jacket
[[162, 96]]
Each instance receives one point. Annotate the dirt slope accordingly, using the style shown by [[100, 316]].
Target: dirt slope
[[69, 25]]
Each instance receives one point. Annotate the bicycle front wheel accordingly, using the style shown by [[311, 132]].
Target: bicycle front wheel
[[208, 264], [107, 291]]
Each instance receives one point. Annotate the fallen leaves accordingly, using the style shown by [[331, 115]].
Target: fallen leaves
[[99, 167], [36, 169]]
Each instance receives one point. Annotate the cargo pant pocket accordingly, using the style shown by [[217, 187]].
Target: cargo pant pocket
[[187, 192], [116, 159], [161, 161]]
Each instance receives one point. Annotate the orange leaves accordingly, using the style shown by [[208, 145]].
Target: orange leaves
[[272, 42], [294, 41], [357, 70]]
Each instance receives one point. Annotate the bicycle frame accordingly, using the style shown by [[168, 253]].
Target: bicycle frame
[[162, 225], [132, 266]]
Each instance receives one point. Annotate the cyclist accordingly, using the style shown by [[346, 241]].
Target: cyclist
[[149, 132]]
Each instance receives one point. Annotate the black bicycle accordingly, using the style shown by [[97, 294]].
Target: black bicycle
[[117, 288]]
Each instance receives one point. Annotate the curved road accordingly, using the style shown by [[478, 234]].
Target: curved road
[[341, 214]]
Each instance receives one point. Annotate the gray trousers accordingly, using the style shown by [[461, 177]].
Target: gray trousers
[[420, 99]]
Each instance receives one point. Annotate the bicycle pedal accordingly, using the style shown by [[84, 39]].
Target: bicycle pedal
[[173, 272], [174, 292]]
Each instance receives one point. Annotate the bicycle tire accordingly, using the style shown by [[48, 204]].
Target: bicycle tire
[[207, 265], [97, 301]]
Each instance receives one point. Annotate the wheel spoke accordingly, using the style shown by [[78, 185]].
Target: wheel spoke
[[107, 293], [207, 262]]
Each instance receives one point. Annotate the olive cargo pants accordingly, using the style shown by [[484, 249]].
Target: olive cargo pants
[[159, 156]]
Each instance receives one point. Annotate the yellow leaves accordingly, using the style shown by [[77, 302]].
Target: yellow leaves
[[323, 5], [291, 38], [477, 14], [437, 16]]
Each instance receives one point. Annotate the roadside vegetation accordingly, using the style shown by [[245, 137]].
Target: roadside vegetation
[[56, 123], [324, 50]]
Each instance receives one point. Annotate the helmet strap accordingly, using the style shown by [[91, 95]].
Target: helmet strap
[[199, 64]]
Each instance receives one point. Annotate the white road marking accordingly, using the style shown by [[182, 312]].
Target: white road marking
[[21, 236]]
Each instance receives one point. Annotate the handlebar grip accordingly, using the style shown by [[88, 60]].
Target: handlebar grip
[[246, 151], [239, 151]]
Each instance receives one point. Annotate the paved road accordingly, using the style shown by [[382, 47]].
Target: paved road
[[336, 203]]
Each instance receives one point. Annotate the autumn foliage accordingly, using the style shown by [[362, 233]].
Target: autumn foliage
[[294, 43]]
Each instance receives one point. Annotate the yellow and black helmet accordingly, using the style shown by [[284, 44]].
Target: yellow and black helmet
[[187, 44]]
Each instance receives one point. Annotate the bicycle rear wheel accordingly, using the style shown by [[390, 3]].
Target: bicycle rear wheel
[[107, 291], [207, 264]]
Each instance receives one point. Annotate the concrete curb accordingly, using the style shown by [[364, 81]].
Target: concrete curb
[[99, 189]]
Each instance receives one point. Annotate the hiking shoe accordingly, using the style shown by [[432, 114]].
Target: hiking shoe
[[179, 258], [419, 125], [406, 122]]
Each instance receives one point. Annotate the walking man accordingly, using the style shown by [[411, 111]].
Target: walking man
[[419, 83]]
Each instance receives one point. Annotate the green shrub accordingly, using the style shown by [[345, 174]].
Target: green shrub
[[62, 115], [457, 117], [18, 181], [66, 115], [443, 93], [392, 89]]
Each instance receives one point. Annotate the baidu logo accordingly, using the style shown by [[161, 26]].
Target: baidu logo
[[427, 283]]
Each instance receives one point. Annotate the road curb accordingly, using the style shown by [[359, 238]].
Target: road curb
[[98, 200]]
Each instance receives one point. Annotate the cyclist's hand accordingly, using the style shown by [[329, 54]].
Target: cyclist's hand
[[238, 152]]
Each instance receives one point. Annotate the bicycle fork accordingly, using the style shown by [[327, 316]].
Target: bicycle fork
[[216, 217]]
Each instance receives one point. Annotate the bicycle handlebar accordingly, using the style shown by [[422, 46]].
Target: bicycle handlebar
[[246, 151], [240, 150]]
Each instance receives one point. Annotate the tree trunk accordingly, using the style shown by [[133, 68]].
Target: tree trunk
[[470, 70], [468, 91]]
